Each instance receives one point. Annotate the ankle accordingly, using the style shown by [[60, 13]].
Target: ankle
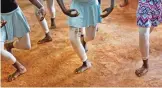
[[18, 66], [145, 63], [47, 34], [86, 63]]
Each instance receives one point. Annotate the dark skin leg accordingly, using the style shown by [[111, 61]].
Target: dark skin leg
[[143, 70], [124, 4], [53, 25]]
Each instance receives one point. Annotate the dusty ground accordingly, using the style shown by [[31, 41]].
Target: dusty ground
[[114, 53]]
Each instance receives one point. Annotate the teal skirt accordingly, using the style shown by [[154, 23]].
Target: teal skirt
[[17, 25], [89, 13]]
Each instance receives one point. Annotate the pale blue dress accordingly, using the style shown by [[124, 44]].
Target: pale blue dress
[[17, 25], [89, 13]]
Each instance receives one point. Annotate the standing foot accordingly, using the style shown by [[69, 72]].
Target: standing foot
[[47, 38], [86, 65], [141, 71]]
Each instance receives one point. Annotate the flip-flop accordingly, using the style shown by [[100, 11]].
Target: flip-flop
[[141, 71]]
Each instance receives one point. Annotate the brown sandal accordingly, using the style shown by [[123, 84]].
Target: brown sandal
[[141, 71]]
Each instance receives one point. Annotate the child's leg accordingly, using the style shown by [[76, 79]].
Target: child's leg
[[51, 8], [90, 33], [124, 4], [23, 42], [20, 69], [82, 30], [5, 54], [44, 22], [78, 47], [44, 25], [144, 34], [151, 29]]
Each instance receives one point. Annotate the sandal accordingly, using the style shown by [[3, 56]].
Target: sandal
[[141, 71]]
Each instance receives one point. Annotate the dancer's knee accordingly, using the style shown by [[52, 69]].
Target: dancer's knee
[[73, 34]]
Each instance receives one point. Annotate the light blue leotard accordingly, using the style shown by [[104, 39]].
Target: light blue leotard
[[89, 13]]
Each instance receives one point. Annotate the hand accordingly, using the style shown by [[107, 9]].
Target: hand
[[108, 11], [3, 23], [72, 13], [42, 13]]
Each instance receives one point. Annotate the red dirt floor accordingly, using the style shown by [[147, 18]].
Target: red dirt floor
[[114, 53]]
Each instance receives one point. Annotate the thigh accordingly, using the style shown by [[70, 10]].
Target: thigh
[[74, 32], [25, 39], [50, 3], [91, 31]]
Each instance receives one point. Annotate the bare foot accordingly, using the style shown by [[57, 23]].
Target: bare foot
[[141, 71], [16, 74], [84, 67]]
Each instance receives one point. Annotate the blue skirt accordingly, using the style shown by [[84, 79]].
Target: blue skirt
[[17, 25], [89, 13]]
